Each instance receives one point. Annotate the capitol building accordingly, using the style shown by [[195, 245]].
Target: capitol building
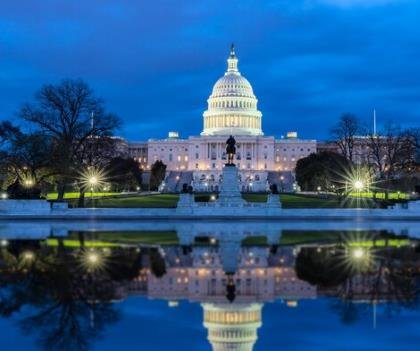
[[198, 160]]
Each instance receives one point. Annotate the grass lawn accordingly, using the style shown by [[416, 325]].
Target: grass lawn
[[142, 201], [149, 237], [114, 239], [170, 201], [70, 196], [379, 195]]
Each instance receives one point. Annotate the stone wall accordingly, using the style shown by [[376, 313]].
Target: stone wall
[[40, 207]]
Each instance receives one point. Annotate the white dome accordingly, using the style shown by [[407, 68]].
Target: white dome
[[232, 327], [232, 85], [232, 106]]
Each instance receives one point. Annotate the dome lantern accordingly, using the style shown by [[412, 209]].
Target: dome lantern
[[232, 61]]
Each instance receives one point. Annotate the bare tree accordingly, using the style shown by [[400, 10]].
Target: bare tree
[[345, 133], [64, 113], [24, 157], [391, 154]]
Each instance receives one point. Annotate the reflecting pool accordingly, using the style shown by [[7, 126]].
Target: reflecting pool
[[209, 286]]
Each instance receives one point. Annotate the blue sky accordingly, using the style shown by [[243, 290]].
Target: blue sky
[[155, 62], [313, 326]]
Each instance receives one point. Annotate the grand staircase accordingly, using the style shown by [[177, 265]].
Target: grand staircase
[[285, 184], [175, 179]]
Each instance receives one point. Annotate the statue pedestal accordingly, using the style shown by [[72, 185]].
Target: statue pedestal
[[230, 195], [185, 203]]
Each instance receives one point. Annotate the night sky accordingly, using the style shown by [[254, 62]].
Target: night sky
[[155, 62], [313, 326]]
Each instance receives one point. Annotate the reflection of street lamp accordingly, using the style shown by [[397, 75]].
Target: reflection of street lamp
[[28, 256], [92, 260], [28, 183], [4, 243]]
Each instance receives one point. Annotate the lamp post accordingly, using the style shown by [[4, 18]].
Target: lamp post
[[358, 185], [93, 181]]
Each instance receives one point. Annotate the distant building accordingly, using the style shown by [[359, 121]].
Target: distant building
[[327, 146]]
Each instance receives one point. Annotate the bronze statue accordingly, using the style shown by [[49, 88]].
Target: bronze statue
[[230, 149]]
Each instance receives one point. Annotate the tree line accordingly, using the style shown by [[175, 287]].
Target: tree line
[[387, 159], [61, 136]]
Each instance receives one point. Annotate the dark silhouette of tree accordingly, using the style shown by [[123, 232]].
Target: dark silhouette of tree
[[157, 175], [322, 170], [25, 160], [391, 154], [71, 304], [322, 267], [157, 263], [124, 173], [64, 113]]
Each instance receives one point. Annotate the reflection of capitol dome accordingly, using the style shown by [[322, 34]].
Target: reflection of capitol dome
[[232, 327], [232, 106]]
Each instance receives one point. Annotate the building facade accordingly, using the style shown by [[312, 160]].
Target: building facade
[[198, 160]]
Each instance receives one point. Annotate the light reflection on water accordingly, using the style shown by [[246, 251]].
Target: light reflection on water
[[242, 287]]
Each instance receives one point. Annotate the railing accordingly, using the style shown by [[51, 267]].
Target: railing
[[246, 204]]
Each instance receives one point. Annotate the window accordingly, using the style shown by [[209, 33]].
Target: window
[[170, 157], [197, 156]]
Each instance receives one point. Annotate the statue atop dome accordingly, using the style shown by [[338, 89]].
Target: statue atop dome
[[230, 150], [232, 50], [232, 61]]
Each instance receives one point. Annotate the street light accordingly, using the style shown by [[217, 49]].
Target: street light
[[92, 178], [358, 185], [358, 253], [93, 181]]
